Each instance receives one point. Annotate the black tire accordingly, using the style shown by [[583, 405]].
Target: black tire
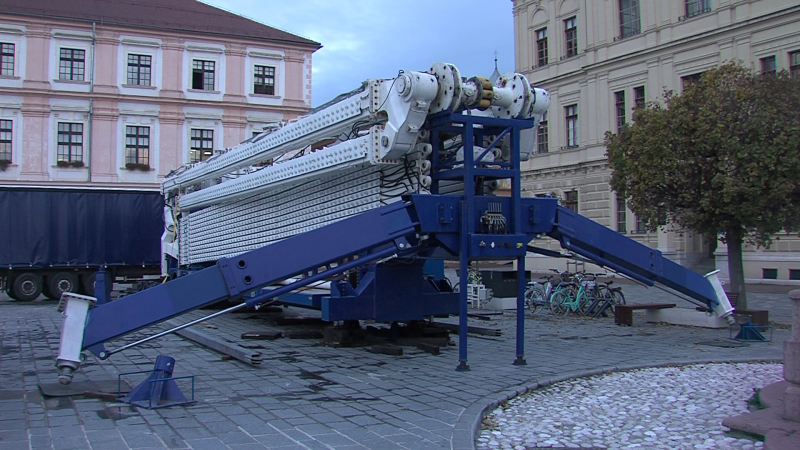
[[557, 303], [27, 286], [619, 298], [47, 292], [62, 282], [9, 292], [87, 283], [534, 299]]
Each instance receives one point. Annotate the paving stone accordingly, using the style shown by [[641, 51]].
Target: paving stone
[[142, 441], [13, 425], [235, 438], [206, 444], [250, 446], [276, 440], [70, 443], [194, 433], [405, 395], [221, 427], [334, 440], [99, 424]]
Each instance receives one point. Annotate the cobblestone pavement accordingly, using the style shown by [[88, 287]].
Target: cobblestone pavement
[[663, 408], [307, 396]]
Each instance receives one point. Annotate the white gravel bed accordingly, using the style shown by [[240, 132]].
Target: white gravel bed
[[658, 408]]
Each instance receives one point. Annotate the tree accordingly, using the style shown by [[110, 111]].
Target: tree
[[721, 157]]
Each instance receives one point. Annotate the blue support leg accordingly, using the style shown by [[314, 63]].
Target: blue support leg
[[516, 215], [102, 286], [462, 301], [520, 360]]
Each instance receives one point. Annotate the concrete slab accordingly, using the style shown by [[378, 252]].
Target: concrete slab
[[684, 316], [502, 303]]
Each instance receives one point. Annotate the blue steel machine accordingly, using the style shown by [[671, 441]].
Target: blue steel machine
[[370, 186]]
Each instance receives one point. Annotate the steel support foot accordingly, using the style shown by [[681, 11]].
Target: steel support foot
[[159, 390], [462, 367], [520, 361]]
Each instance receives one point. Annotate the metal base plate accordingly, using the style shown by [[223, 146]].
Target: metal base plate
[[79, 387]]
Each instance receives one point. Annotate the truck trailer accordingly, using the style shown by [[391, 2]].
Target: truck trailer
[[54, 239]]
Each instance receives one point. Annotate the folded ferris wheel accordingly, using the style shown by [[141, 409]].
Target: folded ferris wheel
[[362, 150]]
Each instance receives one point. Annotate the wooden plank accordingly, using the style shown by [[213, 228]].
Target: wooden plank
[[471, 329]]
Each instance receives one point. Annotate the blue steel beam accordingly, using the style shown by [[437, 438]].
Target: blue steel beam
[[610, 248], [240, 275]]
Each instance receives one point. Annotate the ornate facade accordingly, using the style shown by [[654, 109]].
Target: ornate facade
[[114, 94], [599, 59]]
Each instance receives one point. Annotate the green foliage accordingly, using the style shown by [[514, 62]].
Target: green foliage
[[724, 155]]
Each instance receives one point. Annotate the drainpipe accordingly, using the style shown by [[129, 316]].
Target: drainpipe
[[91, 108]]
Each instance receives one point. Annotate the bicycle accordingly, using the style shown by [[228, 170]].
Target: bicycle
[[563, 298], [609, 297], [537, 293], [588, 293]]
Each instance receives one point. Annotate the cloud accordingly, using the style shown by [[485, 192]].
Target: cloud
[[374, 39]]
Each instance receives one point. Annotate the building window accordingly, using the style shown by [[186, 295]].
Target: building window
[[571, 32], [7, 59], [571, 200], [137, 147], [139, 69], [769, 65], [641, 226], [629, 22], [542, 135], [5, 141], [769, 274], [794, 63], [794, 274], [691, 79], [541, 47], [619, 104], [202, 145], [638, 97], [70, 144], [203, 75], [572, 125], [264, 80], [622, 215], [697, 7], [72, 64]]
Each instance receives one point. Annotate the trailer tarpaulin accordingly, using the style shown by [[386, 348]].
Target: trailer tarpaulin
[[75, 227]]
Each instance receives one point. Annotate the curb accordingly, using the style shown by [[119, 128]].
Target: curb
[[468, 424]]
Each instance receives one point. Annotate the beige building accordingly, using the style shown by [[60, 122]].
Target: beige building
[[598, 59]]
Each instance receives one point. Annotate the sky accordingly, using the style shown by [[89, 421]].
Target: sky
[[371, 39]]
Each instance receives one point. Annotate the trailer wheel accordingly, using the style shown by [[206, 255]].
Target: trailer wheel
[[9, 287], [62, 282], [46, 291], [87, 283], [27, 286]]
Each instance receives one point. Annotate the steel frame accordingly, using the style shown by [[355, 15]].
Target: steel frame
[[473, 129], [428, 226]]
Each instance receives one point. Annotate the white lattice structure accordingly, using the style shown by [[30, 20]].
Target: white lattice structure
[[357, 153]]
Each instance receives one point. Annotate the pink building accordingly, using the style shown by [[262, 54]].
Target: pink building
[[119, 93]]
